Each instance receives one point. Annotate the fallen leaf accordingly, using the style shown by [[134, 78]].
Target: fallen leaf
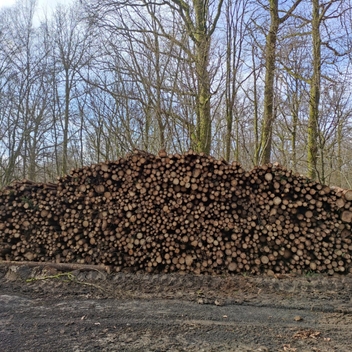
[[306, 334]]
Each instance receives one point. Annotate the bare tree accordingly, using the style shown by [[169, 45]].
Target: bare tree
[[235, 16], [27, 125], [320, 14], [270, 60], [200, 18], [71, 54]]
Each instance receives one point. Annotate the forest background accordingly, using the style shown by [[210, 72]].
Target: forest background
[[251, 81]]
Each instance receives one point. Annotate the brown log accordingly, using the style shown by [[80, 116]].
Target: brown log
[[346, 216]]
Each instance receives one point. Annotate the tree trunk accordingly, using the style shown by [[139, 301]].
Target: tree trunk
[[294, 111], [202, 45], [256, 112], [314, 95], [229, 96], [270, 61], [270, 51], [339, 154], [66, 121]]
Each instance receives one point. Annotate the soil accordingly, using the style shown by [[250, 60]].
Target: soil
[[43, 309]]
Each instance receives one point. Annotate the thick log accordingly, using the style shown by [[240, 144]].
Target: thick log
[[346, 216]]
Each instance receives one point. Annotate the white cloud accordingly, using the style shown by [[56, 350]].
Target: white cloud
[[44, 7], [42, 4], [4, 3]]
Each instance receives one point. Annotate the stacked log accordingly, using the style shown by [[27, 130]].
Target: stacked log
[[189, 213], [27, 224]]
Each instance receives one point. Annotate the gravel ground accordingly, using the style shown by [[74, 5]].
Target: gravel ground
[[42, 309]]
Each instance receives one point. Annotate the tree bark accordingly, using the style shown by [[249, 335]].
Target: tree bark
[[270, 60], [314, 94]]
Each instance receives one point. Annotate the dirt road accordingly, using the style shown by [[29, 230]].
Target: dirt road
[[42, 309]]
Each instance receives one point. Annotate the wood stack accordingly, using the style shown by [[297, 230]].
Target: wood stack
[[187, 212]]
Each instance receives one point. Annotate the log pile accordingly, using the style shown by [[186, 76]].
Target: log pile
[[189, 213]]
